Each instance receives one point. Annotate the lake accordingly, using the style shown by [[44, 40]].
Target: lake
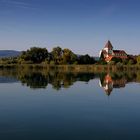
[[39, 105]]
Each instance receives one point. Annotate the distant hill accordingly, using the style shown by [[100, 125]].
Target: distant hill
[[9, 53]]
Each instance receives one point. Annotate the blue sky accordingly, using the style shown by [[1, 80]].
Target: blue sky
[[84, 26]]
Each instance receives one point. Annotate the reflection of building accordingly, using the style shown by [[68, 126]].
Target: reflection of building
[[108, 83], [119, 83], [108, 53]]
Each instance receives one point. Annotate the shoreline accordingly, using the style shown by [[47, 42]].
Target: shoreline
[[73, 68]]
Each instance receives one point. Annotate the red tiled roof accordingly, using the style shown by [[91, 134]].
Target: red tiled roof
[[119, 51]]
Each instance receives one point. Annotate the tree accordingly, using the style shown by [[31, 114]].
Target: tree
[[57, 55], [138, 59], [86, 59], [116, 60], [125, 61], [131, 62], [68, 56], [35, 54], [111, 63], [119, 66]]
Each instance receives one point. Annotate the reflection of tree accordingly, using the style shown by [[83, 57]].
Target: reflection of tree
[[138, 77], [65, 80], [40, 78], [34, 80], [131, 77], [59, 80]]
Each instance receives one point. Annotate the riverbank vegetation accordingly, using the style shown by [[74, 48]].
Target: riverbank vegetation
[[58, 56], [72, 68]]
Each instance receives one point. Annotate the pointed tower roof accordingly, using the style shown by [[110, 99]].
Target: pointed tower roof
[[109, 45]]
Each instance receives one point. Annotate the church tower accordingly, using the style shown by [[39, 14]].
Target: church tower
[[108, 48]]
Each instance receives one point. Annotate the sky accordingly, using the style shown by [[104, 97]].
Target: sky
[[84, 26]]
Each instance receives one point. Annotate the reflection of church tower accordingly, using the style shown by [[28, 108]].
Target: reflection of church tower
[[108, 84]]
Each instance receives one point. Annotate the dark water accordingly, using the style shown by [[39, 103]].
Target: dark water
[[69, 106]]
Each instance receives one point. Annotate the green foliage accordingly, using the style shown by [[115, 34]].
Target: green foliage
[[10, 60], [131, 62], [102, 62], [52, 62], [57, 55], [34, 80], [64, 56], [116, 60], [35, 54], [111, 63], [125, 61], [119, 66], [68, 57], [86, 59], [138, 59]]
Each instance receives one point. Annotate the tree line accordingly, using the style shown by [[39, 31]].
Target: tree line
[[59, 56]]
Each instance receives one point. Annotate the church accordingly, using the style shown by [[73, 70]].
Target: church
[[108, 53]]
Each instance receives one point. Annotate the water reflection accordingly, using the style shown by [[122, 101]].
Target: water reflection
[[110, 81], [58, 80], [41, 79]]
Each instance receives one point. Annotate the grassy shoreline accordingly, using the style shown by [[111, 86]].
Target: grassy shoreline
[[73, 68]]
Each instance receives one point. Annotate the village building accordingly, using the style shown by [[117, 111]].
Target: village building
[[108, 53]]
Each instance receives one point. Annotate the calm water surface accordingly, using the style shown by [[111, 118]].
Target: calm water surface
[[66, 106]]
